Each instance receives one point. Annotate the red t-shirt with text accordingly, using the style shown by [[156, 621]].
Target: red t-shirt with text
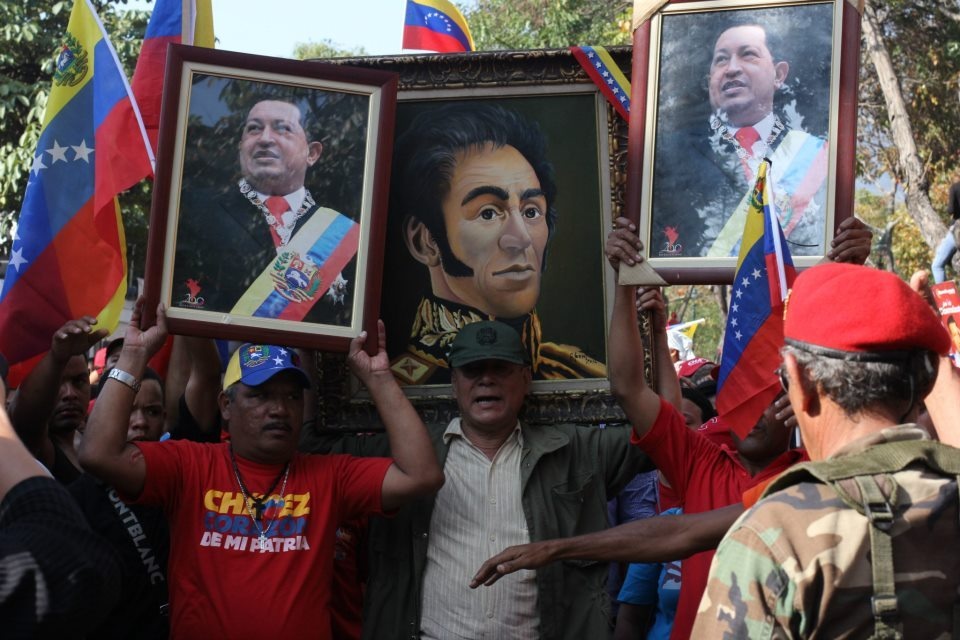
[[223, 583]]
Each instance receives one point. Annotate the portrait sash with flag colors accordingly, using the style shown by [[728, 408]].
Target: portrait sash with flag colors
[[436, 25], [172, 21], [69, 253], [805, 158], [747, 383], [605, 73], [303, 270]]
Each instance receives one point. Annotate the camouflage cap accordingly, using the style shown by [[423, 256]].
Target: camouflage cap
[[487, 340]]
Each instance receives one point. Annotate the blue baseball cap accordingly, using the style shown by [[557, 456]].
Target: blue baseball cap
[[254, 364]]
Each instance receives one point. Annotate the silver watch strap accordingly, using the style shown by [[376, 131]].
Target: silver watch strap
[[122, 376]]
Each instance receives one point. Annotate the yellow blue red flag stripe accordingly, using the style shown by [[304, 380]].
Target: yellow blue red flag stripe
[[747, 383], [608, 77], [436, 25], [69, 256], [168, 25], [335, 240]]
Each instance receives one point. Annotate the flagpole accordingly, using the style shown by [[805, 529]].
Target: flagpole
[[126, 86], [773, 220], [189, 17]]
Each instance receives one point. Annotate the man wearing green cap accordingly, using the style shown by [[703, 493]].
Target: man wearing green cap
[[252, 521], [506, 483]]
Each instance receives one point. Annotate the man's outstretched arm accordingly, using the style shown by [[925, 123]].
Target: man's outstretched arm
[[659, 539], [415, 470]]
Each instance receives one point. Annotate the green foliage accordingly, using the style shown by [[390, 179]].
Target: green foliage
[[324, 49], [909, 250], [923, 39], [532, 24], [693, 302]]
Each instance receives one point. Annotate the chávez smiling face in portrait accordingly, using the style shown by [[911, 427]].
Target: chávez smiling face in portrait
[[744, 76], [274, 151], [495, 217]]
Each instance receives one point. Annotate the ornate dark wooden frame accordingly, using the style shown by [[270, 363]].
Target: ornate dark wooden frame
[[342, 409]]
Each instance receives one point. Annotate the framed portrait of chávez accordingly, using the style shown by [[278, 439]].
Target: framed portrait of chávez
[[270, 195], [727, 84], [508, 168]]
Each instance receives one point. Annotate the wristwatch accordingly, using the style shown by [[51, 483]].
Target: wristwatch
[[122, 376]]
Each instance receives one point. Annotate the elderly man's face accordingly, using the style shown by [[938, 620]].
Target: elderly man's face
[[495, 217], [264, 421], [743, 76], [490, 394], [274, 151]]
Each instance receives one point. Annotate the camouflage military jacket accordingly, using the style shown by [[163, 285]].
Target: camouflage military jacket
[[796, 565]]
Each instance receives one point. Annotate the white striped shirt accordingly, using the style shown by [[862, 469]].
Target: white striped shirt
[[477, 514]]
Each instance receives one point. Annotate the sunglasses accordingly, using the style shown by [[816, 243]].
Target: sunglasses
[[781, 372]]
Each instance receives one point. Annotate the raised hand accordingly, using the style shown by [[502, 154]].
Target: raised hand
[[75, 337], [783, 411], [651, 299], [148, 340], [623, 244], [852, 242], [365, 366]]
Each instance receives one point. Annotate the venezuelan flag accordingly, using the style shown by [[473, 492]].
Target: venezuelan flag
[[69, 253], [172, 21], [747, 383], [436, 25], [608, 77]]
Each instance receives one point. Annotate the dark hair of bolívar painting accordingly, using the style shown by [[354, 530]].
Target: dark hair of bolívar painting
[[338, 119], [800, 35], [568, 169]]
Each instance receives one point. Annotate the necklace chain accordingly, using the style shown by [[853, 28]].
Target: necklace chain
[[284, 230], [717, 125], [258, 502]]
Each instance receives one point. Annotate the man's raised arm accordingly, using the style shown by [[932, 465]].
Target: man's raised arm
[[415, 470], [33, 404], [625, 350], [104, 450]]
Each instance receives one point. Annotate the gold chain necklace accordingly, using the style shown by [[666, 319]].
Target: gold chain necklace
[[717, 125], [285, 229]]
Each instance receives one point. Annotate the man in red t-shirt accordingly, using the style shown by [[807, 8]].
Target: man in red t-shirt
[[703, 474], [253, 522]]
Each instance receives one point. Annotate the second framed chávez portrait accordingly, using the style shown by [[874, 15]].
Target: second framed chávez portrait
[[270, 192], [508, 168], [729, 84]]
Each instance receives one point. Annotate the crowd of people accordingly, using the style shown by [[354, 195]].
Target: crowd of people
[[194, 500], [238, 524]]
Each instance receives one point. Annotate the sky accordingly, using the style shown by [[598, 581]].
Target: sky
[[274, 27]]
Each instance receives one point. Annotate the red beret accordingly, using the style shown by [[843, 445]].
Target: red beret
[[849, 311]]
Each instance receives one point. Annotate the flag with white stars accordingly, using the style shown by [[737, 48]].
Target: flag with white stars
[[436, 25], [608, 77], [69, 255], [747, 383]]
